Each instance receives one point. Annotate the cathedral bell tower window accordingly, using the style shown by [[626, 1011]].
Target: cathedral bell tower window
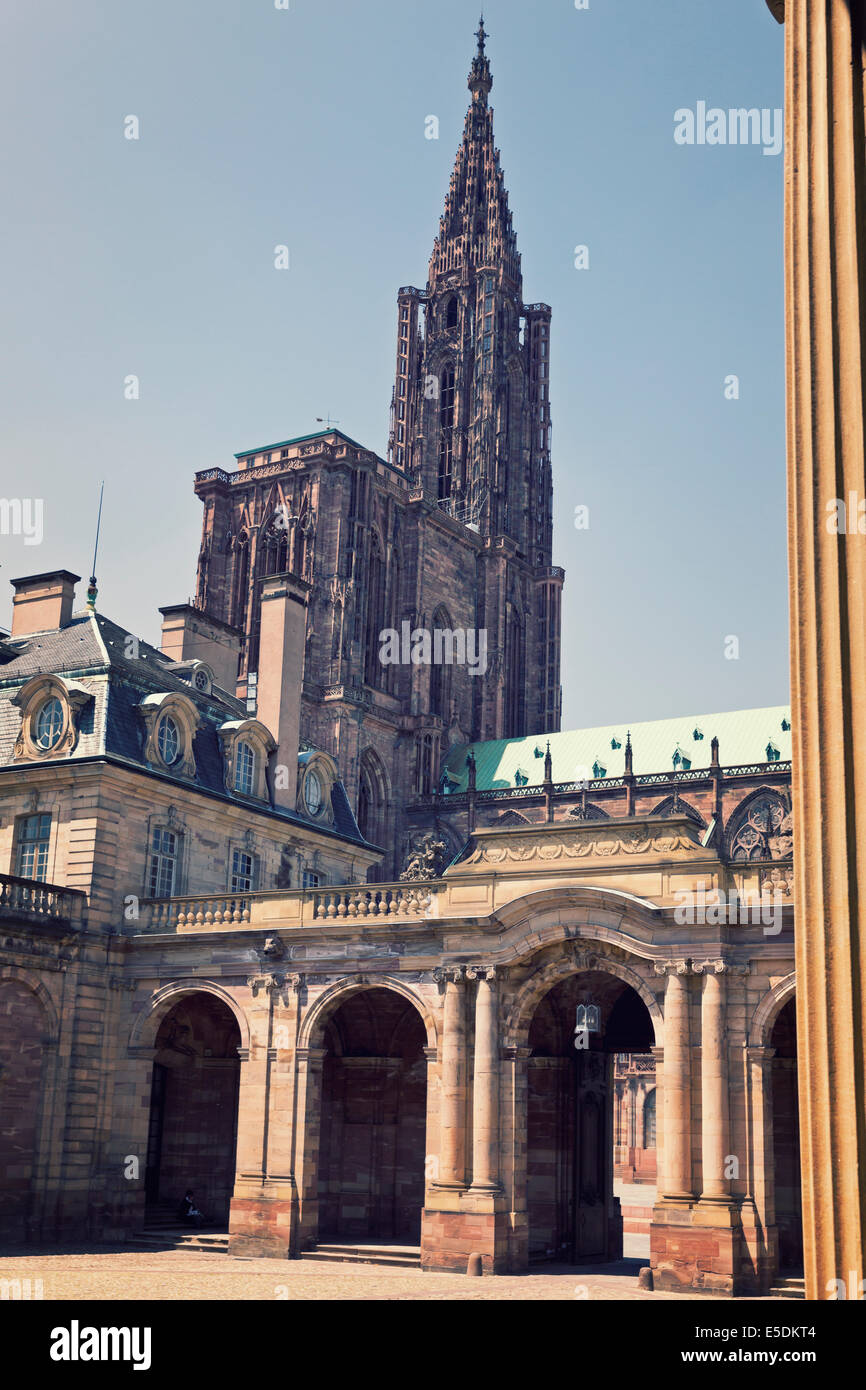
[[446, 435]]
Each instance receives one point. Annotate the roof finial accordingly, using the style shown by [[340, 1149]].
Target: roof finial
[[480, 80]]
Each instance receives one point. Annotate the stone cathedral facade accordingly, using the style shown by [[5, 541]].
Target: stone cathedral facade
[[452, 532]]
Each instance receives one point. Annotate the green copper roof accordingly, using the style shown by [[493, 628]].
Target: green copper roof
[[743, 738], [301, 439]]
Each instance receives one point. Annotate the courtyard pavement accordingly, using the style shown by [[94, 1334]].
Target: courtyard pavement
[[70, 1273]]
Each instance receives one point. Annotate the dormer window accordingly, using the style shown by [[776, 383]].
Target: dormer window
[[49, 724], [168, 741], [615, 743], [313, 793], [51, 711], [786, 726], [171, 721], [247, 745], [698, 735], [773, 753], [681, 761], [245, 769], [598, 770]]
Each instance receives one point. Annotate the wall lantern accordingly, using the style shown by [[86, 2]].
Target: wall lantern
[[588, 1019]]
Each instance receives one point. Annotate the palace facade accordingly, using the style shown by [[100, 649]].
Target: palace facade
[[212, 974]]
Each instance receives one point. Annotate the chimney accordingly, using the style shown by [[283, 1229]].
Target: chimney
[[282, 639], [190, 635], [42, 602]]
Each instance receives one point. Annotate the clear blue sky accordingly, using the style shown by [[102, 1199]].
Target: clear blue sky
[[260, 126]]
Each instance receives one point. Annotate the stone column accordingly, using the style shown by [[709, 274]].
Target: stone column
[[676, 1174], [714, 1083], [485, 1087], [452, 1114], [825, 263]]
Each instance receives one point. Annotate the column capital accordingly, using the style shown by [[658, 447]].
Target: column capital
[[671, 967], [449, 974], [263, 984], [481, 972], [719, 967]]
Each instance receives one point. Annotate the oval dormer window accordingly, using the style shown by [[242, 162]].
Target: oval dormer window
[[168, 741], [313, 793], [49, 725]]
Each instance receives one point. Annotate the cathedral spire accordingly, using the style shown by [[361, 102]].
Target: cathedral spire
[[476, 230], [480, 80]]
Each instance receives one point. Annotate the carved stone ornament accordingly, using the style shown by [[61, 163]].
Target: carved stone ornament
[[671, 967], [445, 973], [573, 842], [425, 861], [31, 698]]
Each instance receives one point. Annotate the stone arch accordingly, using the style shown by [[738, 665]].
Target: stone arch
[[440, 674], [781, 836], [32, 982], [768, 1009], [587, 810], [533, 990], [668, 807], [374, 620], [374, 796], [314, 1020], [162, 1000], [512, 818], [29, 1033]]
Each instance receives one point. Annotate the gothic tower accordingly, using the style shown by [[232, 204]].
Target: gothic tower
[[470, 423], [452, 533]]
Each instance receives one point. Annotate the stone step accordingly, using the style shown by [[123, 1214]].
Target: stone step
[[398, 1256], [153, 1239], [789, 1288]]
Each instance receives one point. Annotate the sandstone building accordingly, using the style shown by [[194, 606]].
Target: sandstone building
[[454, 531], [198, 985]]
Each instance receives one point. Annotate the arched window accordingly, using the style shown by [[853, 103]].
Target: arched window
[[424, 771], [242, 582], [373, 811], [275, 552], [515, 674], [452, 312], [374, 673], [440, 673], [394, 608], [245, 769], [365, 807], [446, 432], [649, 1121]]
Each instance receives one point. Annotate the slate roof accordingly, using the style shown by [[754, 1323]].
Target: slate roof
[[743, 738], [93, 651]]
